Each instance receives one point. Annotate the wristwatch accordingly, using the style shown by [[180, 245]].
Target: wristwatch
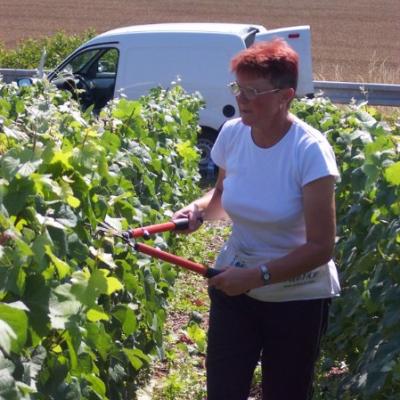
[[265, 274]]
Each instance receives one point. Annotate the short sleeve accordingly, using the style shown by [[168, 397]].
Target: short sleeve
[[318, 160], [218, 152]]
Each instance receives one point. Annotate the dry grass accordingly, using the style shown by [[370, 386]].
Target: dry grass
[[380, 71], [352, 40]]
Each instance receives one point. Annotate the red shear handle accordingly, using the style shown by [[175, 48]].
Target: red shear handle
[[171, 258], [177, 224]]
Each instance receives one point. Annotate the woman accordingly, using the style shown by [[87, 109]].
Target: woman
[[276, 183]]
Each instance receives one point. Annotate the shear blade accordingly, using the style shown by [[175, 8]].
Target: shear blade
[[108, 229]]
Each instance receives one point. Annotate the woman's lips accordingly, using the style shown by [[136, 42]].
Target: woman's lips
[[245, 112]]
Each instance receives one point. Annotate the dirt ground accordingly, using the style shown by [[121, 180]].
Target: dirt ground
[[353, 40]]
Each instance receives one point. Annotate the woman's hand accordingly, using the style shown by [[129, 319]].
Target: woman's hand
[[193, 214], [235, 281]]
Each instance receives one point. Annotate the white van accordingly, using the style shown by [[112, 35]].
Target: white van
[[133, 59]]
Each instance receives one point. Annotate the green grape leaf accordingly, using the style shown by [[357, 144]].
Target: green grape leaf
[[113, 285], [136, 357], [126, 316], [63, 268], [7, 335], [96, 384], [8, 390], [392, 174], [14, 314], [96, 314]]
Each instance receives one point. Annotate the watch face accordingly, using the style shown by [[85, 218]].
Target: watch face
[[265, 273]]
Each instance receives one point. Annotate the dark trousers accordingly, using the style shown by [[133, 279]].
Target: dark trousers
[[286, 335]]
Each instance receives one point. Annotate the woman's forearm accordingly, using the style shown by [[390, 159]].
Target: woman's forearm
[[300, 261], [234, 281], [210, 205]]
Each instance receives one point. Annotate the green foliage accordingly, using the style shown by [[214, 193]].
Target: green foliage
[[28, 52], [81, 315], [364, 332]]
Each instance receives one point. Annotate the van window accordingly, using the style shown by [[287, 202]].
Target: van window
[[108, 61], [97, 60], [94, 71], [79, 62]]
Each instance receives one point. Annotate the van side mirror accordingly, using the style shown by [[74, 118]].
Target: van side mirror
[[24, 82]]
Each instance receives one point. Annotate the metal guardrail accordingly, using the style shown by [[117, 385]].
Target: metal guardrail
[[375, 93], [338, 92], [9, 75]]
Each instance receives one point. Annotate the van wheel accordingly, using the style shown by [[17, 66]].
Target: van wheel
[[205, 143]]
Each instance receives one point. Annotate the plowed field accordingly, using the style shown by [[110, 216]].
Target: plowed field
[[352, 39]]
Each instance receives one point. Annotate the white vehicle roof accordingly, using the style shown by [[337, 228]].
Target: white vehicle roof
[[241, 30]]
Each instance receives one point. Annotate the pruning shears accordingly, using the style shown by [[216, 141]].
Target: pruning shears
[[130, 235]]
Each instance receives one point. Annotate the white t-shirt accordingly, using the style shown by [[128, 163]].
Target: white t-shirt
[[262, 194]]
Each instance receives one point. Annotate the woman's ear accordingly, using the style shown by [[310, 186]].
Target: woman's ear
[[287, 95]]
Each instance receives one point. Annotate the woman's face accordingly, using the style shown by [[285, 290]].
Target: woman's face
[[262, 104]]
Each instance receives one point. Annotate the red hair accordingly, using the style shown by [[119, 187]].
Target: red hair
[[274, 60]]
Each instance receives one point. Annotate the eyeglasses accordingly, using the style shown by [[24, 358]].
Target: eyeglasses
[[248, 92]]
